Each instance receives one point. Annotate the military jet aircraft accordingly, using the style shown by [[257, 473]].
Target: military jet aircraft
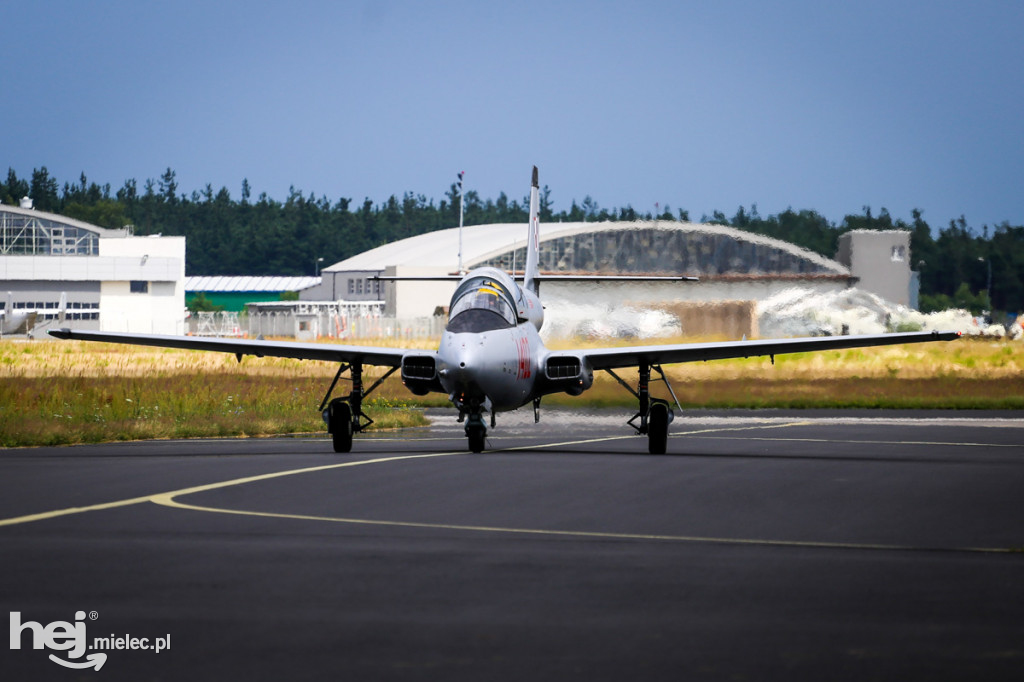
[[491, 358]]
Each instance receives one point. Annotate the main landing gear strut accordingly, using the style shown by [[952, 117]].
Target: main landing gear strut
[[345, 416], [654, 414]]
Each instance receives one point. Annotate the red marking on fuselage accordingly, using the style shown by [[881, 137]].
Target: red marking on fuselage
[[523, 348]]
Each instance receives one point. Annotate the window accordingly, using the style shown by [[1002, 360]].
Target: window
[[481, 306], [899, 254], [33, 235], [137, 287]]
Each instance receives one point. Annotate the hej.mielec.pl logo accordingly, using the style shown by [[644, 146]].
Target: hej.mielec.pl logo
[[70, 638]]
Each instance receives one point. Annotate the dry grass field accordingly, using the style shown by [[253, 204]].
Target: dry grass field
[[54, 392]]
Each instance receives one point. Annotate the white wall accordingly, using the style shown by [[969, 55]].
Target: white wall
[[880, 260], [160, 263], [417, 299]]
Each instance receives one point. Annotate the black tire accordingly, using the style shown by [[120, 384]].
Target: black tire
[[341, 426], [477, 436], [657, 429]]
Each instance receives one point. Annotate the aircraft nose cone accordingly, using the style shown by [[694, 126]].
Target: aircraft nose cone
[[463, 371], [460, 368]]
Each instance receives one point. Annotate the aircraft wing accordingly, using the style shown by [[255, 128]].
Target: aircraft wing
[[632, 356], [369, 355]]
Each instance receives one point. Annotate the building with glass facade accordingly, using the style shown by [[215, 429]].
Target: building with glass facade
[[111, 279]]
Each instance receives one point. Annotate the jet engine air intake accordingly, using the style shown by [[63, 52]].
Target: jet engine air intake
[[419, 374], [568, 373]]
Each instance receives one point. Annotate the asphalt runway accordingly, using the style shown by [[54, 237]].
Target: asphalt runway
[[765, 545]]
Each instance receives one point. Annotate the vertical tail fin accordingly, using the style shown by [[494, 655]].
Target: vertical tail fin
[[533, 238]]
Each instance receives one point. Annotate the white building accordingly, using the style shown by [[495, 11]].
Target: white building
[[113, 281], [879, 259]]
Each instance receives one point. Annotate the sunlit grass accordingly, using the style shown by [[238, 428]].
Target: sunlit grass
[[54, 392], [73, 392]]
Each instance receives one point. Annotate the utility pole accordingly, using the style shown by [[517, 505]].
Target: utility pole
[[461, 173], [988, 289]]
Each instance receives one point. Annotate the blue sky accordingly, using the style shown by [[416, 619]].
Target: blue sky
[[698, 105]]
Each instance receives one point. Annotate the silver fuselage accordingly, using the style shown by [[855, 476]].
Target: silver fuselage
[[497, 368], [491, 353]]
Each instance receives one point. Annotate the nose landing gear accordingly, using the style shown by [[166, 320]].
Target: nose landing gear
[[471, 411]]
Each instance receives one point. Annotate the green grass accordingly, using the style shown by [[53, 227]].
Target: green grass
[[42, 411], [944, 392], [73, 392]]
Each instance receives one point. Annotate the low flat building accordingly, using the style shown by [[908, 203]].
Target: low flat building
[[233, 292]]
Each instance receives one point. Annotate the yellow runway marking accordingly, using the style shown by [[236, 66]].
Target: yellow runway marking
[[242, 481], [71, 510], [867, 442], [753, 427], [168, 499], [210, 486]]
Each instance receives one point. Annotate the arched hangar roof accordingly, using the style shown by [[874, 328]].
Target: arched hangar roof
[[638, 247]]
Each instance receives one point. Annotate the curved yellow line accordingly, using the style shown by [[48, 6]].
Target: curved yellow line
[[56, 513], [167, 499], [210, 486]]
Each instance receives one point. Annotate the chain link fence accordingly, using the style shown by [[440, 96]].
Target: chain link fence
[[313, 322]]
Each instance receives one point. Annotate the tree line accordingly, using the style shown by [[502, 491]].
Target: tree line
[[959, 265]]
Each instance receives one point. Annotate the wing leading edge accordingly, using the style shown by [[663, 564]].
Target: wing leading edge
[[632, 356], [370, 355]]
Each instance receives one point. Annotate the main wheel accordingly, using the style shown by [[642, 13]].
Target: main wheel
[[657, 429], [340, 425]]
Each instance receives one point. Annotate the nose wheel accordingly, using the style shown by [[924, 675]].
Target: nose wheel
[[476, 432]]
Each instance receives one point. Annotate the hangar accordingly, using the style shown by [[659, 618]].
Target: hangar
[[112, 280], [733, 266]]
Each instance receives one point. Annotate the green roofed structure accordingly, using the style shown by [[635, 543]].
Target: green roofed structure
[[233, 292]]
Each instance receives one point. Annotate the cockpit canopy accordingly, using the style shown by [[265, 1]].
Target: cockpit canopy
[[481, 304]]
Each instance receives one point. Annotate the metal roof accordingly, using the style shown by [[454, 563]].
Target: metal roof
[[64, 220], [481, 242], [242, 283]]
